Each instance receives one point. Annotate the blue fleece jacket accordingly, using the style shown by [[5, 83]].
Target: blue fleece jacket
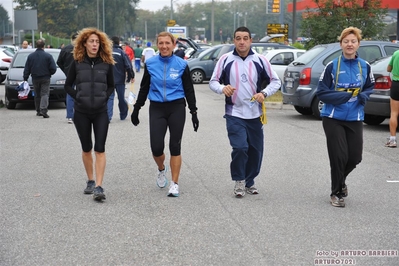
[[339, 102]]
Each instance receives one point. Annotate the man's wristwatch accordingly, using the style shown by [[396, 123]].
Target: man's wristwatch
[[264, 93]]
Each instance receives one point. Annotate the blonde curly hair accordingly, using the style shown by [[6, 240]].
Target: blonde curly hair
[[105, 49]]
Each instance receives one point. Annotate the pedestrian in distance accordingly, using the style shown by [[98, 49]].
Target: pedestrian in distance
[[64, 61], [138, 51], [129, 51], [41, 66], [93, 77], [241, 75], [393, 68], [24, 45], [122, 66], [148, 52], [167, 83], [344, 87]]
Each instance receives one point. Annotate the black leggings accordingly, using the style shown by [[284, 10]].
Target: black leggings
[[84, 123], [345, 148], [170, 115]]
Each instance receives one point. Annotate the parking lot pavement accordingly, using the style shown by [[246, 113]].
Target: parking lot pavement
[[47, 220]]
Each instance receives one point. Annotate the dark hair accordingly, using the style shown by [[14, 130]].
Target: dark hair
[[40, 44], [244, 29], [115, 40], [74, 35]]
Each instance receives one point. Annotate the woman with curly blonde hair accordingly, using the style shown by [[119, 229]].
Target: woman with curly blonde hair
[[92, 75]]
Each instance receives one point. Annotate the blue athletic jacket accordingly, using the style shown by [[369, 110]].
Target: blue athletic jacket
[[166, 79], [344, 87]]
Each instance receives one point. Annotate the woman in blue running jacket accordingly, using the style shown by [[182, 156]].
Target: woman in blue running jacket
[[344, 87], [167, 84]]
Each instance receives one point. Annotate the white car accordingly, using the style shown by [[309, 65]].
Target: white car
[[5, 60], [281, 58]]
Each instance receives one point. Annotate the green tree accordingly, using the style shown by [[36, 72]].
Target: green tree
[[326, 23], [4, 21]]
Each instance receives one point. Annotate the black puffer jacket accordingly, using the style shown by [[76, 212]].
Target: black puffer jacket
[[94, 82]]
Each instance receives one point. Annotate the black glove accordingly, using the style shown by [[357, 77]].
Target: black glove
[[135, 116], [194, 118]]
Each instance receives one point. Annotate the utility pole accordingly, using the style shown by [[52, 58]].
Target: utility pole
[[213, 22]]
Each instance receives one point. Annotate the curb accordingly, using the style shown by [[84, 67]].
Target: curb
[[279, 106]]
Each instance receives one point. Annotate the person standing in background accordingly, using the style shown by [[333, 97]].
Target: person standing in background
[[344, 87], [393, 68], [41, 66], [138, 51], [24, 45], [93, 77], [64, 61], [129, 51], [147, 53], [122, 67]]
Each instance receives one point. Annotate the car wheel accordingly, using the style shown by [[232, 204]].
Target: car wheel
[[197, 76], [8, 104], [303, 110], [317, 105], [373, 120]]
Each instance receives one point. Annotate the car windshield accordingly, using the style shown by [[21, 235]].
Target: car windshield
[[20, 58], [8, 52], [309, 55]]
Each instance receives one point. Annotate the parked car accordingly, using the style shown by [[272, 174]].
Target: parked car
[[188, 43], [281, 58], [378, 108], [201, 67], [15, 76], [302, 76], [11, 48], [5, 61]]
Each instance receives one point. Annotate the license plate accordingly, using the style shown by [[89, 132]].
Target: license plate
[[289, 84]]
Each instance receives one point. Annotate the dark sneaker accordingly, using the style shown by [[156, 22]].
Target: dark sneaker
[[344, 191], [98, 194], [45, 115], [252, 190], [239, 189], [91, 184], [38, 114], [337, 201]]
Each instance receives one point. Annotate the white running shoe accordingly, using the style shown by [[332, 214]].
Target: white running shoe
[[162, 181], [173, 190], [239, 189], [70, 121]]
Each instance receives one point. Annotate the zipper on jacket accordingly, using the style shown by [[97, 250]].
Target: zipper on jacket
[[164, 81], [92, 84]]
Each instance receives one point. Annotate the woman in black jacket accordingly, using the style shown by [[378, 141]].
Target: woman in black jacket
[[92, 74]]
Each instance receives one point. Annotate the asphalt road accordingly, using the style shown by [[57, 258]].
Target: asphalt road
[[47, 220]]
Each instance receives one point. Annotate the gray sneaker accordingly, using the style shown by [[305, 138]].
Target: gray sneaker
[[337, 201], [391, 143], [239, 189], [162, 181], [91, 184], [252, 190]]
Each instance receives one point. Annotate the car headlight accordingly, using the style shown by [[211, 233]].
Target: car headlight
[[60, 82], [14, 82]]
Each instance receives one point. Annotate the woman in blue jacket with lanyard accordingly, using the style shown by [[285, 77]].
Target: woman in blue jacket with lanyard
[[167, 84], [344, 87]]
